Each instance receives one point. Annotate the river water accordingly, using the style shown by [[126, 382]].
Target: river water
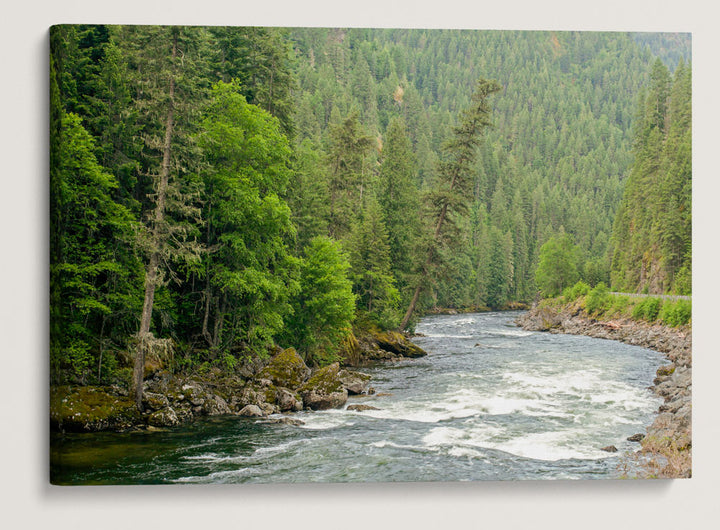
[[490, 402]]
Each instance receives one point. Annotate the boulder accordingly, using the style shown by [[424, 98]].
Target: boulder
[[324, 390], [251, 411], [354, 382], [90, 409], [163, 418], [153, 401], [609, 449], [397, 343], [286, 369], [636, 437], [288, 401], [286, 421], [215, 406], [360, 408]]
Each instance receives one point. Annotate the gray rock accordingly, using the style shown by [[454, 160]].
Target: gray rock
[[636, 437], [286, 421], [251, 411], [287, 400], [155, 401], [361, 407], [354, 382], [163, 418], [609, 449]]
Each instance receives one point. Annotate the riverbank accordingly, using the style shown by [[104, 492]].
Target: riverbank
[[282, 385], [668, 442]]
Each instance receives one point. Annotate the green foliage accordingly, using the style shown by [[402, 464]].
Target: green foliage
[[652, 231], [249, 273], [383, 159], [570, 294], [324, 307], [598, 299], [647, 309], [676, 313], [373, 281], [557, 268]]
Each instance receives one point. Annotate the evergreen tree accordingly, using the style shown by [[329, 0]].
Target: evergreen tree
[[400, 201], [373, 282], [450, 198], [167, 71], [324, 308], [348, 175]]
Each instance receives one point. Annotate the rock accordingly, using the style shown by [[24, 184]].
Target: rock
[[155, 401], [286, 421], [636, 437], [287, 400], [360, 408], [215, 406], [324, 390], [268, 409], [286, 369], [91, 409], [251, 411], [609, 449], [395, 342], [163, 418], [354, 382]]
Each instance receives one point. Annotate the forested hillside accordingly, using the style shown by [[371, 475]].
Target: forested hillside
[[219, 191], [653, 228]]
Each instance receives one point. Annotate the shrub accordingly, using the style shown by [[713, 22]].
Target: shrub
[[571, 294], [598, 299], [619, 304], [676, 313], [648, 309]]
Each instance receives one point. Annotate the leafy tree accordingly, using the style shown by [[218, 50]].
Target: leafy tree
[[558, 265], [88, 278], [324, 308], [248, 271]]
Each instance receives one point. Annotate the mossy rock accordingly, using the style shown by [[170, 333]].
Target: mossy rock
[[90, 409], [350, 351], [666, 370], [324, 389], [397, 343], [286, 369], [354, 382]]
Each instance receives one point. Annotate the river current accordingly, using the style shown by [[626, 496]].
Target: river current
[[489, 402]]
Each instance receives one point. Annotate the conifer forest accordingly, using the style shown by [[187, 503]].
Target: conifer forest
[[221, 192]]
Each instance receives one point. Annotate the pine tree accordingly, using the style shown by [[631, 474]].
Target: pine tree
[[168, 82], [450, 198], [400, 201]]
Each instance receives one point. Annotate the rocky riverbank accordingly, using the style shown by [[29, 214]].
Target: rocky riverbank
[[668, 442], [283, 385]]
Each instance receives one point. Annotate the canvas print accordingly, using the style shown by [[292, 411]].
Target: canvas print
[[283, 255]]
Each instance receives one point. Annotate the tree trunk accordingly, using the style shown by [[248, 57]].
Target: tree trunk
[[151, 273]]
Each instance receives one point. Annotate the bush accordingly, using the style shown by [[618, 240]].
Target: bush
[[619, 304], [648, 309], [598, 299], [676, 313], [570, 294]]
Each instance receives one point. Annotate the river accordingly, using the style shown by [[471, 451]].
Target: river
[[489, 402]]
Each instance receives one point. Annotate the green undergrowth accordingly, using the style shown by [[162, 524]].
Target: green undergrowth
[[598, 302]]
